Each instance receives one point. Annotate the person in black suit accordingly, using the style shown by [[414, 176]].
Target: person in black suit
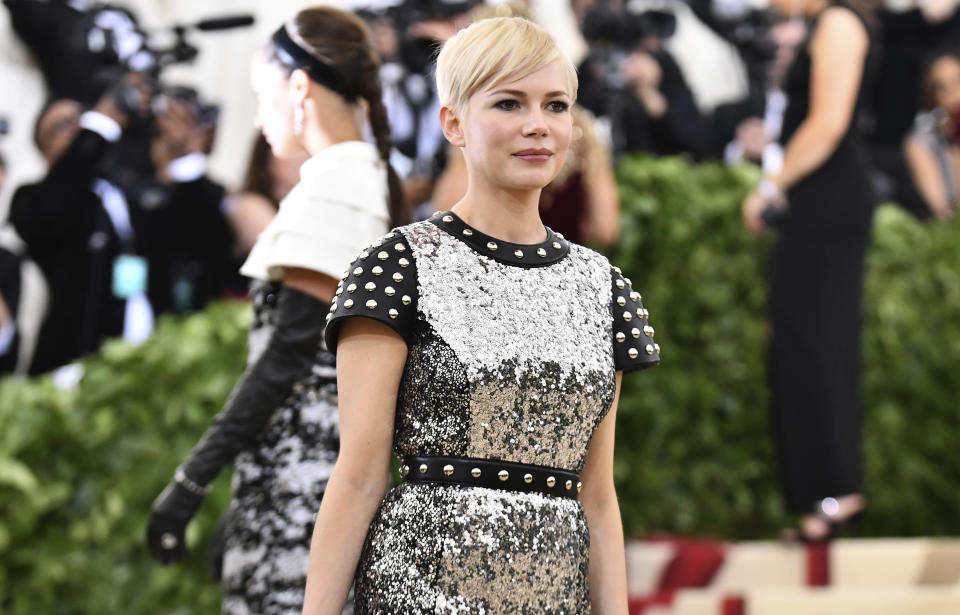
[[69, 233], [180, 224], [116, 252], [749, 129], [655, 112]]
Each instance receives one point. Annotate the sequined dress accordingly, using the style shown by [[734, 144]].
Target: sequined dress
[[512, 355]]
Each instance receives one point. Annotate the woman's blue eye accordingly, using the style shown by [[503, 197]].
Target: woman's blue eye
[[558, 106], [507, 105]]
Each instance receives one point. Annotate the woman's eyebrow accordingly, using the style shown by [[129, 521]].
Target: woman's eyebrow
[[522, 94]]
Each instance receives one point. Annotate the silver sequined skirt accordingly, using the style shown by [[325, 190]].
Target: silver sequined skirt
[[449, 549]]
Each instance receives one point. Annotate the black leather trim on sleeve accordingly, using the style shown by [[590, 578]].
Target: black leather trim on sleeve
[[633, 345], [380, 284]]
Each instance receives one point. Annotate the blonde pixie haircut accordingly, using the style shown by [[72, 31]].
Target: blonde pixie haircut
[[494, 51]]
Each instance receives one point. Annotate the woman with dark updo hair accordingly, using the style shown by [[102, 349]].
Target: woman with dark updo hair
[[317, 87]]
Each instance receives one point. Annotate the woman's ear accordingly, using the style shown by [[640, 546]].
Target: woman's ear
[[298, 86], [452, 126]]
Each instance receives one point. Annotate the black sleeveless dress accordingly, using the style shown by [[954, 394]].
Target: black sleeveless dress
[[817, 270]]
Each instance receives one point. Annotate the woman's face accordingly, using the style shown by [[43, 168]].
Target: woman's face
[[274, 107], [945, 84], [516, 134]]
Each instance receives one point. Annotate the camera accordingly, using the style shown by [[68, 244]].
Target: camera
[[624, 28], [415, 54]]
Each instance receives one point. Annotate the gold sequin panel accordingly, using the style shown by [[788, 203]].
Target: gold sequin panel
[[532, 412], [450, 549]]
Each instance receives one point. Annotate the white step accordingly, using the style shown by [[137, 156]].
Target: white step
[[944, 600], [854, 563]]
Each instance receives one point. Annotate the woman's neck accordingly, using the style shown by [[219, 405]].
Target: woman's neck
[[512, 216], [336, 126], [316, 139]]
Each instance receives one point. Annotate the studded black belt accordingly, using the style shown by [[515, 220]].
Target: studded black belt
[[492, 474]]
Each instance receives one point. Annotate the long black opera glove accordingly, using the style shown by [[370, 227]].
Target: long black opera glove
[[288, 356]]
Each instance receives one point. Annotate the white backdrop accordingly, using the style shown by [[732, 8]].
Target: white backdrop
[[219, 73]]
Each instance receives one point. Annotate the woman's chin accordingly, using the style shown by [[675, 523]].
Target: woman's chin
[[528, 181]]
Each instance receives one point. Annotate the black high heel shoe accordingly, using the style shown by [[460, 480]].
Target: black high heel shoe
[[826, 511]]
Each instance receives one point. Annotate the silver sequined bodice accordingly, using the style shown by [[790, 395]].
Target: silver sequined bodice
[[506, 362]]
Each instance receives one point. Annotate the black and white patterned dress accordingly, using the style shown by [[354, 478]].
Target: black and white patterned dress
[[339, 205], [278, 485], [512, 355]]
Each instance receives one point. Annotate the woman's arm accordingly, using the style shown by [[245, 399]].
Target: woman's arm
[[287, 357], [310, 282], [928, 178], [602, 222], [837, 51], [370, 360], [608, 568]]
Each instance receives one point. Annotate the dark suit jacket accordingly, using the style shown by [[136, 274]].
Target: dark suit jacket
[[187, 241], [70, 237]]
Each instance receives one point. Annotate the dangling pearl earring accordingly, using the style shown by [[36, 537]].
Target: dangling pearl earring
[[298, 120]]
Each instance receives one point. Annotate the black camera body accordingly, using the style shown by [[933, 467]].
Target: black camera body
[[416, 54], [623, 28]]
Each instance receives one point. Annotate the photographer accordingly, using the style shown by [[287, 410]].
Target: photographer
[[113, 249], [180, 227], [407, 34], [748, 130], [631, 79], [68, 231]]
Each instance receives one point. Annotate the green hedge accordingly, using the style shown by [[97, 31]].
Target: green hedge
[[79, 469], [693, 451]]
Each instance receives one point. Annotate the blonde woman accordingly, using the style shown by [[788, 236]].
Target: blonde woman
[[487, 350]]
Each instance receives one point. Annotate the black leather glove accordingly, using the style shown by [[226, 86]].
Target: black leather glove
[[288, 356], [169, 516]]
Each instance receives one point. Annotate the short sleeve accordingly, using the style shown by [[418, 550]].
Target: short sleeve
[[307, 232], [381, 284], [633, 345]]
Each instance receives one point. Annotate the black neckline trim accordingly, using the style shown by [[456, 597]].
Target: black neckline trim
[[548, 252]]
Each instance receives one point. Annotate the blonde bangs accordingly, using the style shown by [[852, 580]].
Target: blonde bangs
[[494, 51]]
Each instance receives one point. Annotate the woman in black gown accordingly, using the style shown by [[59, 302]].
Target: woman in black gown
[[824, 198]]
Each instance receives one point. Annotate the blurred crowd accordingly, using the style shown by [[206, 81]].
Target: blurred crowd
[[126, 224]]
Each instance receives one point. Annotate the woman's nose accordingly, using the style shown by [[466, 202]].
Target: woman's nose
[[535, 124]]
